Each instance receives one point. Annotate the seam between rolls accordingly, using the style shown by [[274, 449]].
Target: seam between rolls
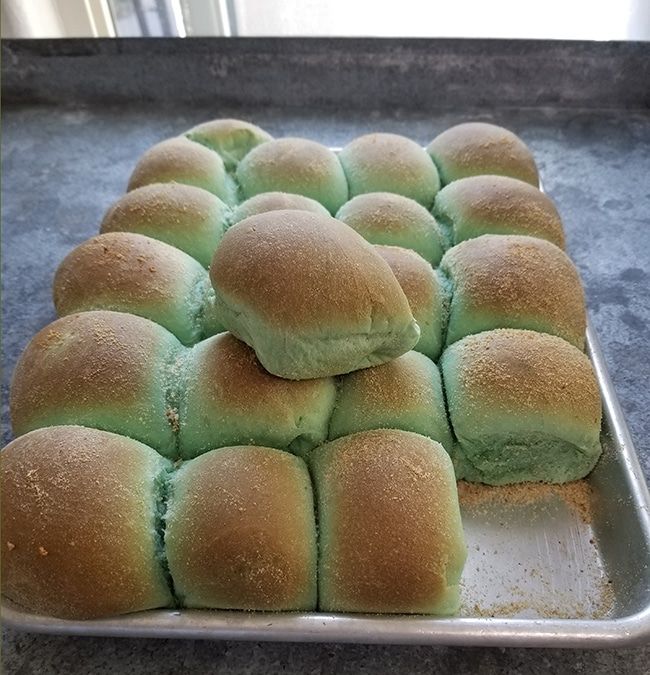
[[162, 492], [175, 374]]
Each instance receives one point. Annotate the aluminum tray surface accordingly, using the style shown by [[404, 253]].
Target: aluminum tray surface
[[547, 566]]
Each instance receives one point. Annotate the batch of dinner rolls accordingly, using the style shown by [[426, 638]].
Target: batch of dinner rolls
[[273, 364]]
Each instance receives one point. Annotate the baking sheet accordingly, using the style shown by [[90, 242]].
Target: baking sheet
[[547, 566]]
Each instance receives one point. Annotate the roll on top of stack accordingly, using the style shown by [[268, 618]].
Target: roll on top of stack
[[310, 295], [294, 165], [477, 148], [478, 205], [184, 216], [390, 163], [385, 218], [510, 281]]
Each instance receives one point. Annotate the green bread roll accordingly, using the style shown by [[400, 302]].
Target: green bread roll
[[179, 160], [132, 273], [232, 400], [390, 534], [384, 218], [232, 139], [427, 297], [294, 165], [241, 532], [405, 393], [184, 216], [390, 163], [477, 205], [79, 524], [524, 406], [510, 281], [476, 148], [310, 295], [100, 369], [276, 201]]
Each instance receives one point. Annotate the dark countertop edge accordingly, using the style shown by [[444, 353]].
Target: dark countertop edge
[[330, 72]]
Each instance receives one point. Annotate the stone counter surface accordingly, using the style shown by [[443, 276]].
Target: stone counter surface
[[64, 164]]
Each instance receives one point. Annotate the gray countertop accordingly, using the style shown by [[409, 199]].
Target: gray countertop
[[65, 163]]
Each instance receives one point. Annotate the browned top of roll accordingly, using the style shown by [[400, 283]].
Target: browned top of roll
[[122, 264], [91, 358], [150, 204], [174, 159], [392, 532], [526, 371], [241, 530], [236, 379], [495, 199], [478, 148], [300, 270], [523, 276], [77, 524], [414, 273]]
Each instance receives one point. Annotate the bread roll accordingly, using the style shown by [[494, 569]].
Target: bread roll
[[179, 160], [390, 163], [427, 297], [232, 139], [384, 218], [241, 531], [101, 369], [132, 273], [405, 393], [524, 406], [276, 201], [478, 205], [477, 148], [391, 538], [80, 524], [310, 295], [294, 165], [510, 281], [232, 400], [184, 216]]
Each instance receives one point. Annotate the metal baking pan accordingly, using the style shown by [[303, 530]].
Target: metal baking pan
[[548, 566]]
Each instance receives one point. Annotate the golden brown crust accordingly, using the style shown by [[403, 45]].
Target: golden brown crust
[[394, 156], [234, 379], [87, 359], [301, 271], [227, 133], [122, 265], [400, 384], [530, 372], [522, 277], [175, 203], [501, 199], [479, 148], [415, 275], [391, 528], [77, 524], [241, 531], [276, 201], [177, 160]]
